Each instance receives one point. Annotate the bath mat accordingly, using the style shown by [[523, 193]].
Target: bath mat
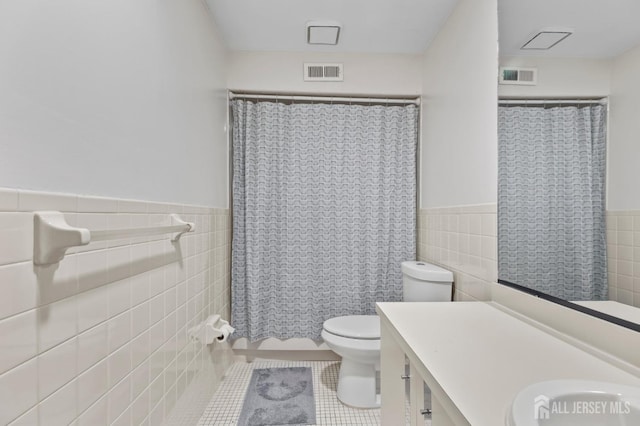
[[279, 396]]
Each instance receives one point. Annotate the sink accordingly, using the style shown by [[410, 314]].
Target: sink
[[576, 403]]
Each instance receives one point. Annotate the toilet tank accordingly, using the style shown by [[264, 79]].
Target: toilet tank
[[424, 282]]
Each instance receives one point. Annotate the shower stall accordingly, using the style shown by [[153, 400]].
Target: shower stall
[[324, 209]]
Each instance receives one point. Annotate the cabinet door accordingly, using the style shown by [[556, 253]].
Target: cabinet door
[[392, 384], [419, 400]]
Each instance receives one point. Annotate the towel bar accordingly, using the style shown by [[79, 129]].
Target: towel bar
[[53, 235]]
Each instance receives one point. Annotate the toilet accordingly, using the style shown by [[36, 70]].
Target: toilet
[[356, 338]]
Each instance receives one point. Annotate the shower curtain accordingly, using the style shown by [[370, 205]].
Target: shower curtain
[[551, 199], [324, 204]]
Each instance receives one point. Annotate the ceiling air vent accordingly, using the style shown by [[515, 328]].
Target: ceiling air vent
[[323, 72], [517, 75]]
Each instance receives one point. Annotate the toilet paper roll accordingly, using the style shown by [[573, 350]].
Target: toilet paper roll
[[210, 330], [212, 320], [225, 331]]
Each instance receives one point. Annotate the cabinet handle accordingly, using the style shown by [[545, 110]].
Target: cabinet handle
[[405, 377], [426, 412]]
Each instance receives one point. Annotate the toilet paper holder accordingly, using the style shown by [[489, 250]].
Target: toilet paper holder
[[212, 329]]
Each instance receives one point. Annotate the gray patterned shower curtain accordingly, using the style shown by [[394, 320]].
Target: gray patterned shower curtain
[[551, 199], [324, 204]]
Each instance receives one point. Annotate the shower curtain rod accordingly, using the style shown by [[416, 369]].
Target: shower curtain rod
[[329, 99], [601, 101]]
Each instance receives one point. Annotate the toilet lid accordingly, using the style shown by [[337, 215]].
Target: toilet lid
[[354, 326]]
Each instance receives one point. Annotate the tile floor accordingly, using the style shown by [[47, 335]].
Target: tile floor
[[224, 408], [192, 403]]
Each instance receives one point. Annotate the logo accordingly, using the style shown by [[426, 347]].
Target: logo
[[541, 407], [593, 406]]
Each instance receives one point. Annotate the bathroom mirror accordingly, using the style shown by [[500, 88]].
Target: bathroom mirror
[[569, 204]]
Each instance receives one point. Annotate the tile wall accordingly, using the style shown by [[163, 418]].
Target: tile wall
[[623, 256], [463, 240], [101, 337]]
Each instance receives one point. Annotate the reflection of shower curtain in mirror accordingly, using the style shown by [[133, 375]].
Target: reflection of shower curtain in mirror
[[551, 203], [324, 205]]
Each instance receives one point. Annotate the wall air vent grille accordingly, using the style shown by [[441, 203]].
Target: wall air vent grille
[[323, 72], [516, 75]]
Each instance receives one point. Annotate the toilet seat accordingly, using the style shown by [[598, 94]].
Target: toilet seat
[[361, 327]]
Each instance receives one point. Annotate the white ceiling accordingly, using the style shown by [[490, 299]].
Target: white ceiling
[[602, 28], [368, 26]]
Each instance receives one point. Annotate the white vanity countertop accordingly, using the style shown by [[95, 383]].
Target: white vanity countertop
[[482, 357]]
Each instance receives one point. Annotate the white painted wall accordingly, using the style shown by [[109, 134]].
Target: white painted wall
[[459, 121], [624, 131], [122, 98], [560, 77], [364, 74]]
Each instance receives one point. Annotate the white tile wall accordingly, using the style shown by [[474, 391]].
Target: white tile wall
[[623, 256], [463, 240], [101, 337]]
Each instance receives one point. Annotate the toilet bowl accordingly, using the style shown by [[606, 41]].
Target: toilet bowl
[[356, 338]]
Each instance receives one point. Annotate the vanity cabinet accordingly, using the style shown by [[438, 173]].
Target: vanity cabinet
[[475, 357], [393, 377]]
